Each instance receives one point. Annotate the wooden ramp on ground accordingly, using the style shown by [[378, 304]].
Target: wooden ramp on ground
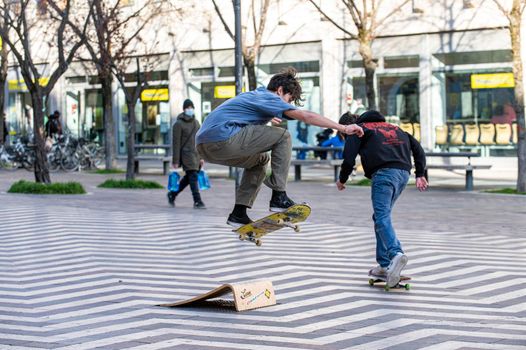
[[247, 296]]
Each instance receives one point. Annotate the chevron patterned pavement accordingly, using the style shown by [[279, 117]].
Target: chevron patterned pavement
[[92, 280]]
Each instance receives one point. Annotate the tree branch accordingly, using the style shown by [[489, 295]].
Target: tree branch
[[218, 11], [353, 36]]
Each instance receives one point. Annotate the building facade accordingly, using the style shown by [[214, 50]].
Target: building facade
[[444, 73]]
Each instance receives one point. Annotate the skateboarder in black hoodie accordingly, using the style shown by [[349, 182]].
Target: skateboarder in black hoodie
[[385, 152]]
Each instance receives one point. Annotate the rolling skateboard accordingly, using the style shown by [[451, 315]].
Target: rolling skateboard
[[381, 279], [276, 221]]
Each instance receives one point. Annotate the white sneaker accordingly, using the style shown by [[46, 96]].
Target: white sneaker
[[395, 269], [378, 271]]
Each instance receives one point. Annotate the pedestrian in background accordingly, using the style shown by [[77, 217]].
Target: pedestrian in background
[[184, 153]]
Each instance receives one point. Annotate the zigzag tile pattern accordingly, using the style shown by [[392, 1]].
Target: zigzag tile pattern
[[86, 279]]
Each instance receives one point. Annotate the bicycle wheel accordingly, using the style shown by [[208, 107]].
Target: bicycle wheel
[[98, 159], [70, 162], [28, 161], [8, 164], [53, 162]]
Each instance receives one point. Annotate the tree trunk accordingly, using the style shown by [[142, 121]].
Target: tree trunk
[[130, 142], [369, 65], [109, 134], [41, 169], [3, 79], [250, 65], [515, 29]]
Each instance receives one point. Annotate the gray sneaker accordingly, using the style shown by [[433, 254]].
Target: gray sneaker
[[395, 269], [378, 271]]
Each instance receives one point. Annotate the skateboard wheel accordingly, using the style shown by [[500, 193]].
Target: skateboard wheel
[[407, 286], [241, 238], [258, 242], [280, 221], [386, 288], [371, 282], [297, 228]]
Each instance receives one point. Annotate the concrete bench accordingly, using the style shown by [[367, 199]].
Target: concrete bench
[[164, 159], [298, 163], [467, 167]]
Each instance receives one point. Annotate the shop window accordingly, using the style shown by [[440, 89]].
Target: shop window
[[148, 76], [93, 80], [301, 67], [227, 72], [355, 64], [358, 63], [93, 124], [358, 90], [464, 103], [399, 96], [402, 62], [202, 72], [76, 80], [475, 57]]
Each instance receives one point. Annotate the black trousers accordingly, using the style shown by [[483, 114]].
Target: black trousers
[[190, 178]]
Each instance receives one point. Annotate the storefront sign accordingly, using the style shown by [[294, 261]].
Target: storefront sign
[[155, 95], [20, 85], [492, 81], [225, 91]]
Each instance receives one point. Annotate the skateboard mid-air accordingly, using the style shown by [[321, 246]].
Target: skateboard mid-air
[[289, 218]]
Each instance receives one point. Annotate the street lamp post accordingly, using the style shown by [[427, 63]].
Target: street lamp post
[[239, 62]]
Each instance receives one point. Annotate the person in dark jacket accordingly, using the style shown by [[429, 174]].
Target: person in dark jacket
[[185, 155], [385, 151], [53, 126]]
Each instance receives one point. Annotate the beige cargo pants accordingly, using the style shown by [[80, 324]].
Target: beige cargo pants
[[248, 150]]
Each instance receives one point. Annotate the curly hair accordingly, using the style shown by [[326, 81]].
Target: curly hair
[[348, 118], [288, 80]]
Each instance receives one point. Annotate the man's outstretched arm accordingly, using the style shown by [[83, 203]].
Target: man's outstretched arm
[[352, 146], [315, 119]]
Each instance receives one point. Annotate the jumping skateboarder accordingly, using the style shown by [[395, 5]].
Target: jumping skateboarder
[[385, 151], [235, 134]]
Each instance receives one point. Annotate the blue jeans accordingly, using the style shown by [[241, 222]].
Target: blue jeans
[[387, 185]]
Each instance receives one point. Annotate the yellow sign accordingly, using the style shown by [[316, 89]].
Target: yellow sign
[[155, 95], [492, 81], [20, 85], [225, 91]]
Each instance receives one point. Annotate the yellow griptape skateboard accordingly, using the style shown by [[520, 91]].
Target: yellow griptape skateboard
[[276, 221]]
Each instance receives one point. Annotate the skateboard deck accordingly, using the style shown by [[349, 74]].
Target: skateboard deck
[[276, 221], [403, 283]]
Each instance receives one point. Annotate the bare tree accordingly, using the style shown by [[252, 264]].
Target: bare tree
[[25, 30], [114, 36], [514, 16], [250, 51], [4, 52], [132, 95], [367, 25]]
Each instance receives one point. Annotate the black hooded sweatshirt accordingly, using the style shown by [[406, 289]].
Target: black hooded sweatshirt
[[383, 145]]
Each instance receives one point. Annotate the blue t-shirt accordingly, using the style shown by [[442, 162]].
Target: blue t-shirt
[[256, 107]]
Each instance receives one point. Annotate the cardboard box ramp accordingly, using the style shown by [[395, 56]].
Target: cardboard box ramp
[[246, 296]]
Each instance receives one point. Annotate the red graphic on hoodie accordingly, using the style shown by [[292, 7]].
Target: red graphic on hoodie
[[388, 131]]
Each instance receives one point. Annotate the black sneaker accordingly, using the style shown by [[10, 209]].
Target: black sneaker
[[199, 205], [280, 202], [237, 221], [171, 198]]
